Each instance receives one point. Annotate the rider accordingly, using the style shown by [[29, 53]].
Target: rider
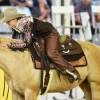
[[33, 27]]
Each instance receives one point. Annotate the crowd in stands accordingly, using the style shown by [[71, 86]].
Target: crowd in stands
[[42, 8], [37, 8]]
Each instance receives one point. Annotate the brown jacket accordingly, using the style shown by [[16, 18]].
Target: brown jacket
[[42, 29]]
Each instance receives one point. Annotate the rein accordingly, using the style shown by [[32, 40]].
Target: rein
[[45, 64]]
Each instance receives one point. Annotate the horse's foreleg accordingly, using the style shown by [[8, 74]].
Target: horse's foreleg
[[31, 95], [85, 86], [95, 88], [16, 96]]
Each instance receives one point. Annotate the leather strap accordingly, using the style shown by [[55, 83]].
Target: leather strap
[[46, 64]]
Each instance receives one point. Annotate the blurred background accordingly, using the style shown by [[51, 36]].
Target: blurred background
[[80, 19]]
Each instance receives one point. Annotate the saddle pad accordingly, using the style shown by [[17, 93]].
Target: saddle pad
[[78, 63]]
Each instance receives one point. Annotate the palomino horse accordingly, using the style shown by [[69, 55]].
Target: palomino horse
[[24, 79]]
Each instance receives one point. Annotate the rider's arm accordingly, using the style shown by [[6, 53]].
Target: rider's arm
[[42, 28]]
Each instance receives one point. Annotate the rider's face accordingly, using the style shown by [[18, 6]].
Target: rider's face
[[12, 23]]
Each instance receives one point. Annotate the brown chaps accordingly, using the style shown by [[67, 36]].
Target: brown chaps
[[52, 45]]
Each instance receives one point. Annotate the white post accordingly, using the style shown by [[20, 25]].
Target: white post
[[86, 24], [67, 19], [57, 18], [67, 2]]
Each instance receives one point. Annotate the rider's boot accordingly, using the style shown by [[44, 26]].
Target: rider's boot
[[73, 75]]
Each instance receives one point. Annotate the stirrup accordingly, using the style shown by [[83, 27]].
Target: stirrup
[[72, 74]]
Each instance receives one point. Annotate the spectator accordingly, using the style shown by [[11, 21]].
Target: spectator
[[96, 2], [4, 3], [75, 1], [29, 4], [49, 3], [21, 8], [13, 2], [1, 15], [97, 16], [82, 6], [41, 9]]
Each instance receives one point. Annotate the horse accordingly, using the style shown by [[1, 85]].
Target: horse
[[24, 80]]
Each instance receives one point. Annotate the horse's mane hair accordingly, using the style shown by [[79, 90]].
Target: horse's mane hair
[[5, 41], [9, 40]]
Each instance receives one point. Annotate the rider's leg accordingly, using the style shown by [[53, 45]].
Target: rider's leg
[[52, 46]]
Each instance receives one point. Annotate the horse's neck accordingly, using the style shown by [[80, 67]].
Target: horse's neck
[[14, 62], [5, 53], [7, 58]]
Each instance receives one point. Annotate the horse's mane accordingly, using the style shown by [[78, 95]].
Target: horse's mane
[[5, 41], [8, 40], [6, 50]]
